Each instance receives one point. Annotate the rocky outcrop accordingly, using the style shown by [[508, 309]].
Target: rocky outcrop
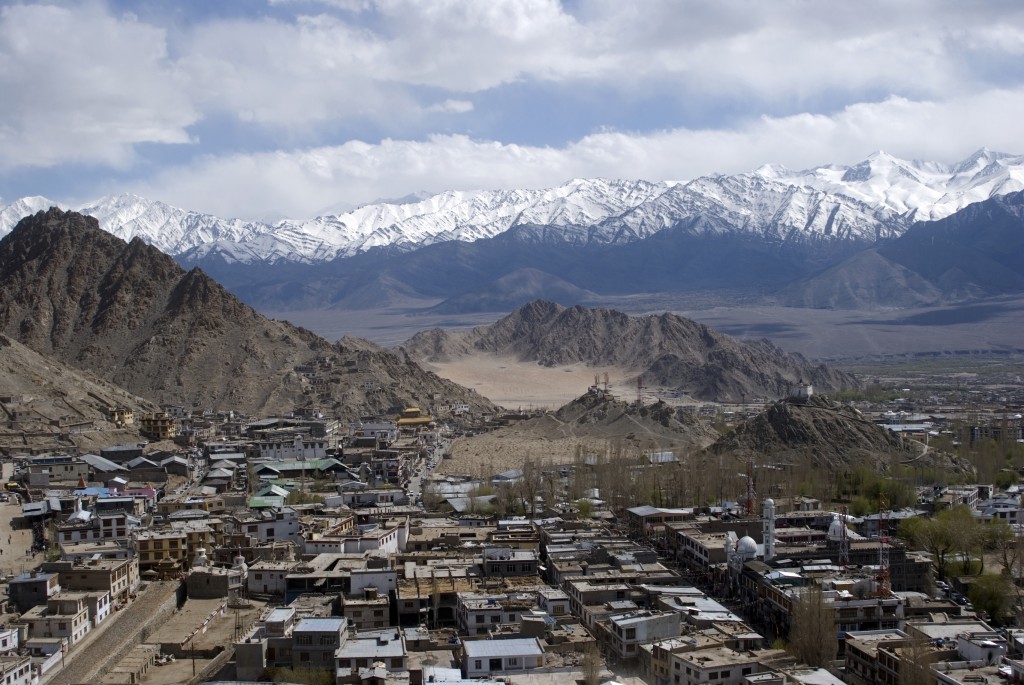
[[133, 316], [822, 434], [666, 349]]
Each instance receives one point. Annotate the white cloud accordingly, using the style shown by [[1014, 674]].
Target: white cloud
[[85, 86], [298, 182], [452, 106]]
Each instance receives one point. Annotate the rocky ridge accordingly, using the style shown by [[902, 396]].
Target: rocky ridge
[[823, 434], [47, 404], [667, 350], [128, 313]]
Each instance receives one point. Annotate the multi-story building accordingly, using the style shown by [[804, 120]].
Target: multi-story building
[[161, 549], [16, 670], [502, 562], [367, 611], [118, 577], [624, 634], [272, 525], [157, 426], [32, 589], [270, 577], [65, 615], [717, 666], [365, 649], [315, 641], [477, 614]]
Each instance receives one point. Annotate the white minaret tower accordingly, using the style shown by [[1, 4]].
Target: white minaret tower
[[768, 523]]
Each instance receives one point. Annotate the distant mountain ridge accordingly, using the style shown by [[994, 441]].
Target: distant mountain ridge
[[130, 314], [877, 198], [667, 350], [975, 253]]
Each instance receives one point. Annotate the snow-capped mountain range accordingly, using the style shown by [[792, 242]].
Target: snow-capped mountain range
[[877, 198]]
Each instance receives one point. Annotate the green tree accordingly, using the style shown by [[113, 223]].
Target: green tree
[[301, 676], [950, 532], [1004, 543], [992, 593], [302, 497]]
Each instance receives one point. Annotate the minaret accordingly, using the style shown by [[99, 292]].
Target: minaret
[[768, 523]]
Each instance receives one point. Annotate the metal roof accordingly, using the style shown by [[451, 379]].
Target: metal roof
[[101, 464]]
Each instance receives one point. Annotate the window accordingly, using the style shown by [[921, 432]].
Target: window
[[630, 633], [478, 664], [396, 662], [479, 618], [748, 670], [303, 656], [513, 661], [304, 640]]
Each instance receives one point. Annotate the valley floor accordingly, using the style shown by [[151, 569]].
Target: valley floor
[[989, 326]]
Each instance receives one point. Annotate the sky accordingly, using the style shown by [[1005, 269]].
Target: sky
[[293, 108]]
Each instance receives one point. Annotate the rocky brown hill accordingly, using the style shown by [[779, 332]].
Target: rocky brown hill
[[598, 415], [45, 404], [668, 350], [821, 434], [128, 313]]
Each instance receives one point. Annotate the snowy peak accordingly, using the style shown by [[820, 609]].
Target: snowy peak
[[876, 198], [916, 189]]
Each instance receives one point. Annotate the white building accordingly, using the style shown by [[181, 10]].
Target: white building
[[269, 577], [624, 634], [482, 658]]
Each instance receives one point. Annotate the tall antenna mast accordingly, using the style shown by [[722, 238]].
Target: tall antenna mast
[[883, 549]]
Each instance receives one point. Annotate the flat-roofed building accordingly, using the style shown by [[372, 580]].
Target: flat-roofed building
[[118, 577], [363, 649], [624, 634], [65, 615], [482, 658], [718, 666], [315, 641]]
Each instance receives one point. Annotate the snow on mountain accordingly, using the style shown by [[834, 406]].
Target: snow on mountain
[[920, 191], [170, 229], [16, 211], [758, 205], [874, 199]]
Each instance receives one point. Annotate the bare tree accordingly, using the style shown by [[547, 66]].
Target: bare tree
[[915, 662], [530, 485], [812, 632], [592, 664]]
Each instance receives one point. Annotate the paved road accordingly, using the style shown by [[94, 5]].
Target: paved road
[[81, 664]]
